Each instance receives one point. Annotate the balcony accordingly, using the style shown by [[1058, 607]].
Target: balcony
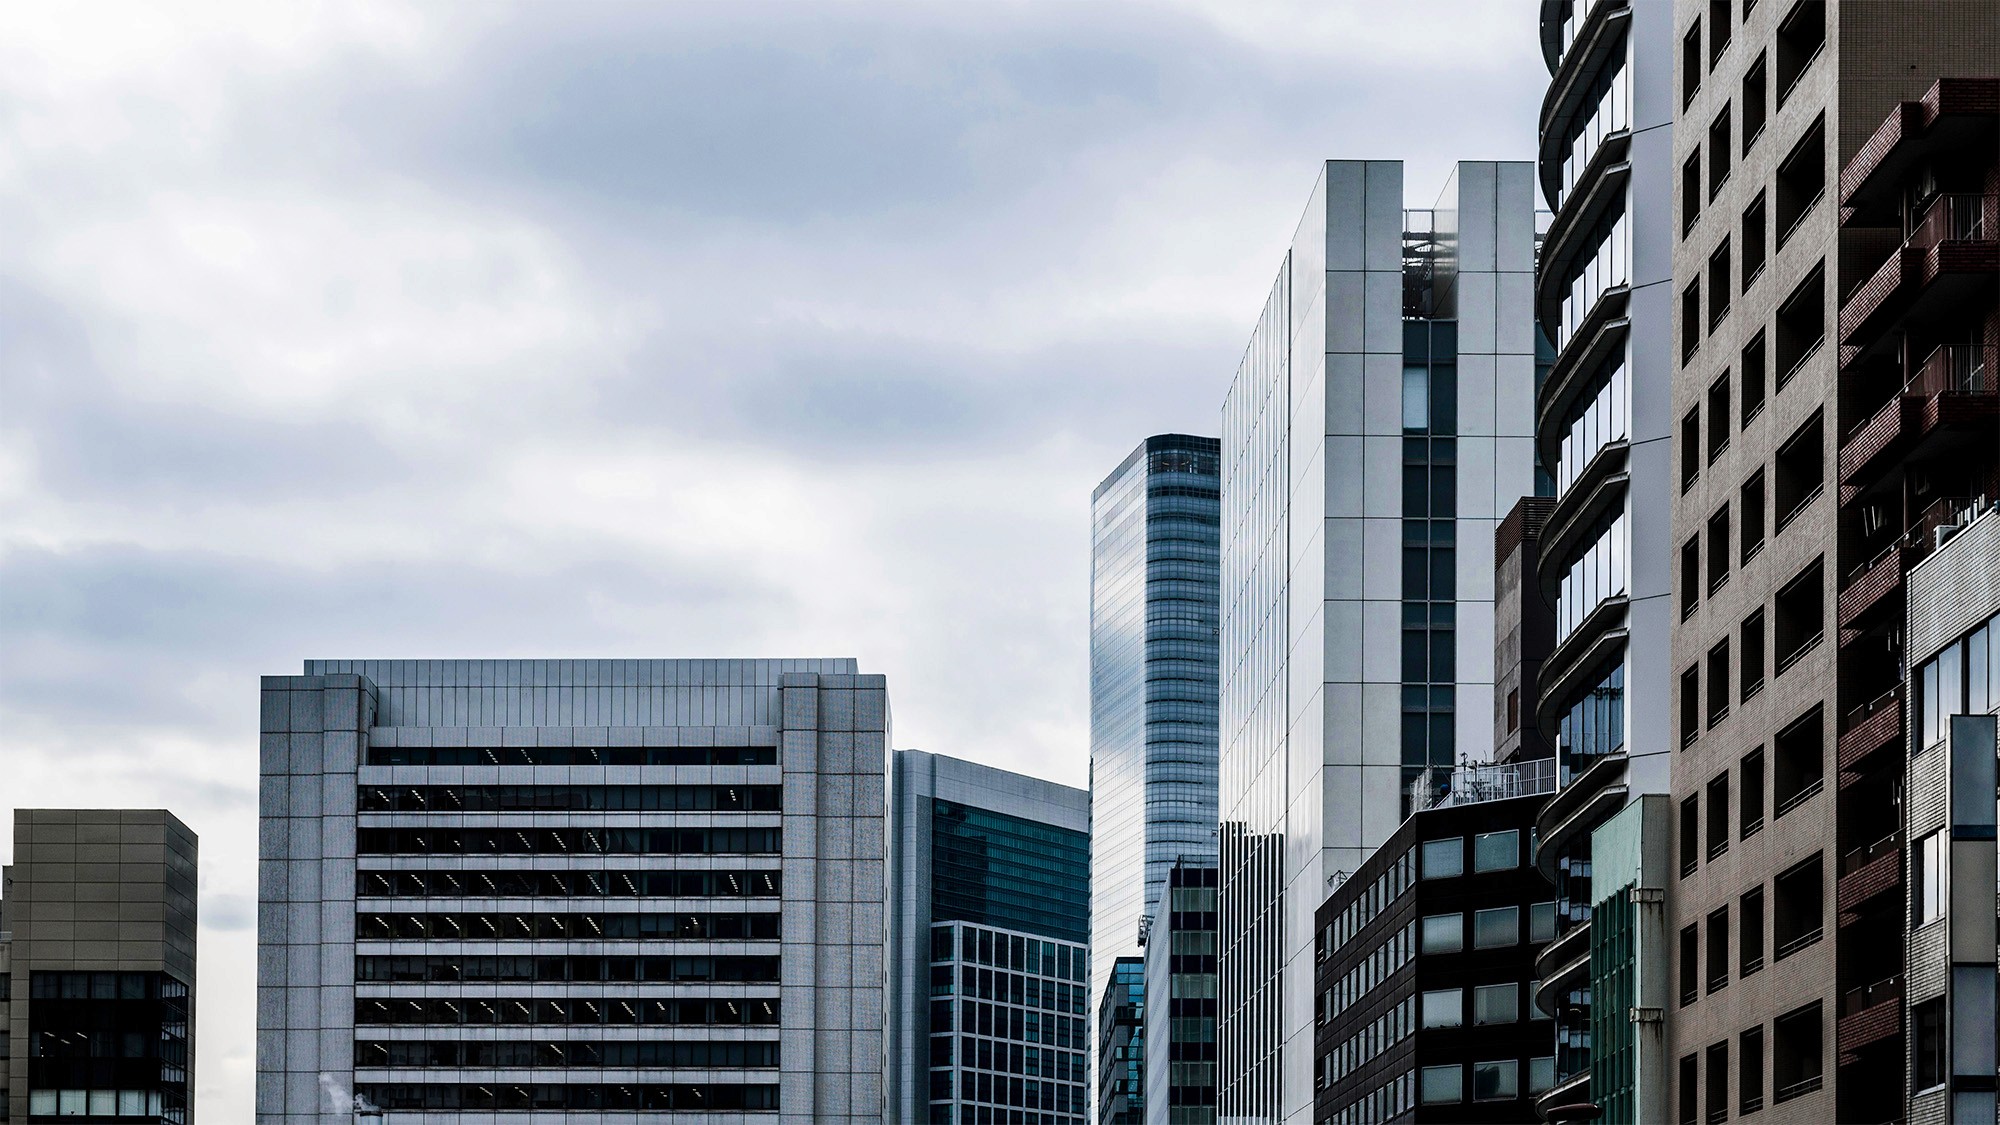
[[1871, 584], [1586, 802], [1595, 43], [1868, 872], [1955, 388], [1869, 1015], [1954, 116], [1872, 726], [1950, 253]]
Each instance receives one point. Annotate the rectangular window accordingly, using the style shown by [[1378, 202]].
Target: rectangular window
[[1496, 1081], [1719, 153], [1444, 1008], [1930, 878], [1718, 548], [1718, 416], [1690, 964], [1754, 241], [1496, 851], [1496, 1003], [1756, 101], [1718, 30], [1442, 1085], [1443, 933], [1718, 815], [1690, 577], [1541, 1074], [1690, 64], [1752, 802], [1798, 617], [1717, 1100], [1796, 1043], [1496, 928], [1690, 448], [1801, 34], [1690, 706], [1444, 859], [1690, 321], [1718, 950], [1750, 935], [1542, 922], [1750, 505], [1750, 1071], [1929, 1064], [1751, 663], [1799, 762], [1801, 325], [1752, 371], [1801, 469], [1690, 835], [1416, 398], [1718, 683], [1690, 1090], [1799, 908]]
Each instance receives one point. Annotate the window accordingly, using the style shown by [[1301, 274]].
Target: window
[[1690, 1090], [1443, 933], [1930, 877], [1718, 682], [1750, 1071], [1799, 904], [1690, 448], [1496, 1003], [1752, 661], [1717, 1101], [1801, 325], [1690, 191], [1718, 308], [1444, 859], [1691, 322], [1718, 416], [1750, 939], [1690, 706], [1718, 815], [1496, 851], [1801, 34], [1541, 1074], [1754, 218], [1756, 102], [1929, 1065], [1690, 835], [1444, 1008], [1718, 153], [1690, 64], [1798, 762], [1752, 370], [1496, 1081], [1440, 1085], [1718, 950], [1797, 620], [1801, 181], [1718, 549], [1800, 470], [1513, 710], [1795, 1051], [1496, 928], [1718, 30], [1750, 503]]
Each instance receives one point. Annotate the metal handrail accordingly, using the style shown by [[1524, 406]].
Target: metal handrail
[[1786, 949], [1858, 715], [1862, 856], [1869, 995]]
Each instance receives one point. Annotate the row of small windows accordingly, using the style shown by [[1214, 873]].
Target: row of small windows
[[103, 986], [567, 884], [1380, 964], [1796, 918], [1386, 1102], [1018, 1024], [1007, 988], [1962, 679], [1798, 769], [571, 798], [564, 1011], [969, 1052], [372, 969], [1795, 1066], [1494, 928], [528, 926], [1004, 1090], [1795, 479], [572, 755], [712, 1097], [102, 1103], [499, 1053], [569, 841], [979, 946], [1795, 626], [1387, 1030], [1497, 1080]]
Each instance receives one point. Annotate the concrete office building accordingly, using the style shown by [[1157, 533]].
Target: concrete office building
[[100, 913], [1954, 631], [1836, 319], [1182, 991], [1154, 572], [1603, 426], [1378, 428], [592, 889], [1121, 1046], [989, 956]]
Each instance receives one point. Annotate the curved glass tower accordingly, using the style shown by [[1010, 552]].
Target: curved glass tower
[[1154, 582]]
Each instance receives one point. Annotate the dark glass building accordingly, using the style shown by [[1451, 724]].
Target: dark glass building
[[1182, 984], [1121, 1046]]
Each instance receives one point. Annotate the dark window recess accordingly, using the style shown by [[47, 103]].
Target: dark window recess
[[1690, 964], [1751, 660], [572, 755], [530, 925], [1750, 1071], [1690, 834], [1719, 152], [1718, 815], [713, 1097], [1690, 447], [1755, 376], [1718, 30], [1718, 291], [1690, 64], [1690, 320], [456, 968], [1717, 1101], [1718, 416], [1750, 939], [560, 1011], [1690, 1092], [1801, 470], [1798, 623], [1513, 710], [569, 841], [1690, 707], [1718, 683], [1796, 1044], [1716, 969], [1801, 181], [1797, 908], [1930, 1063], [1801, 326], [1690, 577], [1690, 191], [529, 1054], [1756, 101], [565, 884], [560, 798], [1801, 34], [1798, 766], [1718, 551], [1750, 513], [1751, 801], [1754, 240]]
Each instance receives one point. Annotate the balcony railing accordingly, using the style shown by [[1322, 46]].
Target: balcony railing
[[1953, 217], [1871, 726], [1955, 234], [1469, 784], [1862, 856], [1787, 948], [1797, 1088], [1856, 1000], [1956, 369]]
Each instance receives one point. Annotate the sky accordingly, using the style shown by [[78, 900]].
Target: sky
[[366, 330]]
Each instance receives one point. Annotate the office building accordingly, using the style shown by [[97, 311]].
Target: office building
[[1183, 988], [1524, 632], [1954, 632], [1121, 1046], [989, 955], [608, 888], [1425, 958], [1376, 431], [1602, 424], [99, 994], [1835, 316], [1154, 566]]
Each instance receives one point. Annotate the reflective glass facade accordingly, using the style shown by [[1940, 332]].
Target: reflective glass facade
[[1183, 990], [1007, 1028], [1121, 1045], [1009, 872], [1155, 562]]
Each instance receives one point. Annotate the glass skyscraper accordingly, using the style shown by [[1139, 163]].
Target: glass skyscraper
[[1154, 585]]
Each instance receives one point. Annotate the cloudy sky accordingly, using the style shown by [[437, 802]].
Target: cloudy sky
[[363, 330]]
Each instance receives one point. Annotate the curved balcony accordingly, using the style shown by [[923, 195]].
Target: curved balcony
[[1600, 488], [1597, 643], [1551, 21], [1575, 1092], [1560, 964], [1601, 33], [1601, 335], [1583, 804], [1567, 245]]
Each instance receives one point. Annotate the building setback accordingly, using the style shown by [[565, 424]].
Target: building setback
[[605, 888], [1154, 566], [989, 955], [1835, 321], [1377, 429], [100, 905], [1182, 995]]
